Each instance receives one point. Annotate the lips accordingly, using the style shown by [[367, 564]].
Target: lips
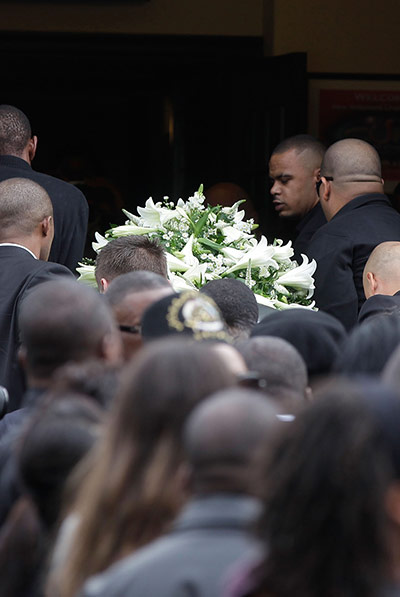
[[278, 205]]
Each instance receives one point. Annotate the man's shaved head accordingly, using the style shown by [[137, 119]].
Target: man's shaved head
[[15, 130], [382, 271], [23, 205], [223, 436], [352, 160]]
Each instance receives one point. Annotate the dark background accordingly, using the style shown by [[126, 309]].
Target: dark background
[[154, 116]]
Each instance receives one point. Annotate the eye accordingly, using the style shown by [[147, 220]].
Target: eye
[[285, 179]]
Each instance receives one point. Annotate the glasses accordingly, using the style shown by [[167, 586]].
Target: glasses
[[319, 182], [130, 329]]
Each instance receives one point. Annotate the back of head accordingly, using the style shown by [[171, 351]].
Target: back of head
[[370, 345], [23, 205], [223, 437], [63, 321], [127, 254], [352, 161], [332, 467], [132, 283], [59, 435], [310, 149], [382, 271], [237, 304], [15, 130], [315, 334], [280, 368]]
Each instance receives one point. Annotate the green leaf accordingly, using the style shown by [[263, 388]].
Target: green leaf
[[210, 244]]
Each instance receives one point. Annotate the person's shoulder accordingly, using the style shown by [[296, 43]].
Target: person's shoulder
[[62, 187], [52, 268]]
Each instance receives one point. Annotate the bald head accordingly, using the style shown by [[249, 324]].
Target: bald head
[[223, 436], [352, 161], [382, 270], [23, 205], [62, 321]]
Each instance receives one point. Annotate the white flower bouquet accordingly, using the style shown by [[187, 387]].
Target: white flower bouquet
[[205, 243]]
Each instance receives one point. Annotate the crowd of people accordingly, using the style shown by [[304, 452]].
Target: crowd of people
[[165, 443]]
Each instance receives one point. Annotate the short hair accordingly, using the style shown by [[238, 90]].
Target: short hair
[[62, 321], [128, 254], [23, 205], [301, 143], [236, 302], [15, 130], [278, 364], [134, 282], [352, 160], [223, 435]]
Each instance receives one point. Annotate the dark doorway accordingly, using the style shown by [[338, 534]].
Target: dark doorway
[[155, 116]]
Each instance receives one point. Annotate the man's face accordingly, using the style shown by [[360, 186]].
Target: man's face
[[129, 313], [293, 190]]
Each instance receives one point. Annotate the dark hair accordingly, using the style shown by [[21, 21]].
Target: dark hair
[[130, 253], [301, 143], [62, 321], [93, 378], [236, 302], [15, 130], [60, 432], [369, 345], [23, 205], [131, 490], [324, 522], [133, 282], [279, 365]]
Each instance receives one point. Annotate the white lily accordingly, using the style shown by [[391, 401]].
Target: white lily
[[86, 274], [101, 242], [131, 217], [260, 255], [300, 277], [232, 234], [175, 264], [196, 273], [129, 229], [263, 300], [281, 305], [179, 284], [154, 214], [187, 253], [283, 252]]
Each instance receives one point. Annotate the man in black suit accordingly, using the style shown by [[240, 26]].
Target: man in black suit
[[26, 234], [360, 217], [71, 212]]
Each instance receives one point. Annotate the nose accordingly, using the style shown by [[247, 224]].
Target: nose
[[275, 189]]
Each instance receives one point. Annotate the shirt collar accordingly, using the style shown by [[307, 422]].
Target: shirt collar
[[20, 246]]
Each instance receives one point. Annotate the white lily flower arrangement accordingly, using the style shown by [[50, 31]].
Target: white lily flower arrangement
[[205, 243]]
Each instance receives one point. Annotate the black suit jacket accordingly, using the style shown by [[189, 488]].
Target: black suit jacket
[[19, 272], [71, 211], [341, 248]]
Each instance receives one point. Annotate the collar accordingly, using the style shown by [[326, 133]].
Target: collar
[[13, 161], [228, 510], [361, 200], [314, 213], [19, 246]]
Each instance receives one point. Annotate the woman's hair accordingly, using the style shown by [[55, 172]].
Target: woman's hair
[[324, 523], [131, 491]]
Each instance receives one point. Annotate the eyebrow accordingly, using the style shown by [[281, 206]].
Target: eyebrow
[[280, 176]]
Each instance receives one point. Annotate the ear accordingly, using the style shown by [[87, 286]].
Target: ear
[[104, 284], [308, 393], [110, 349], [372, 283], [32, 146], [326, 186], [392, 502], [46, 225], [317, 174]]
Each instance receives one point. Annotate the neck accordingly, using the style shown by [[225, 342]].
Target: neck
[[30, 243]]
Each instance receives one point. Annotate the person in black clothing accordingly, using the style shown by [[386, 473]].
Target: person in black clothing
[[294, 169], [71, 211], [359, 218]]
